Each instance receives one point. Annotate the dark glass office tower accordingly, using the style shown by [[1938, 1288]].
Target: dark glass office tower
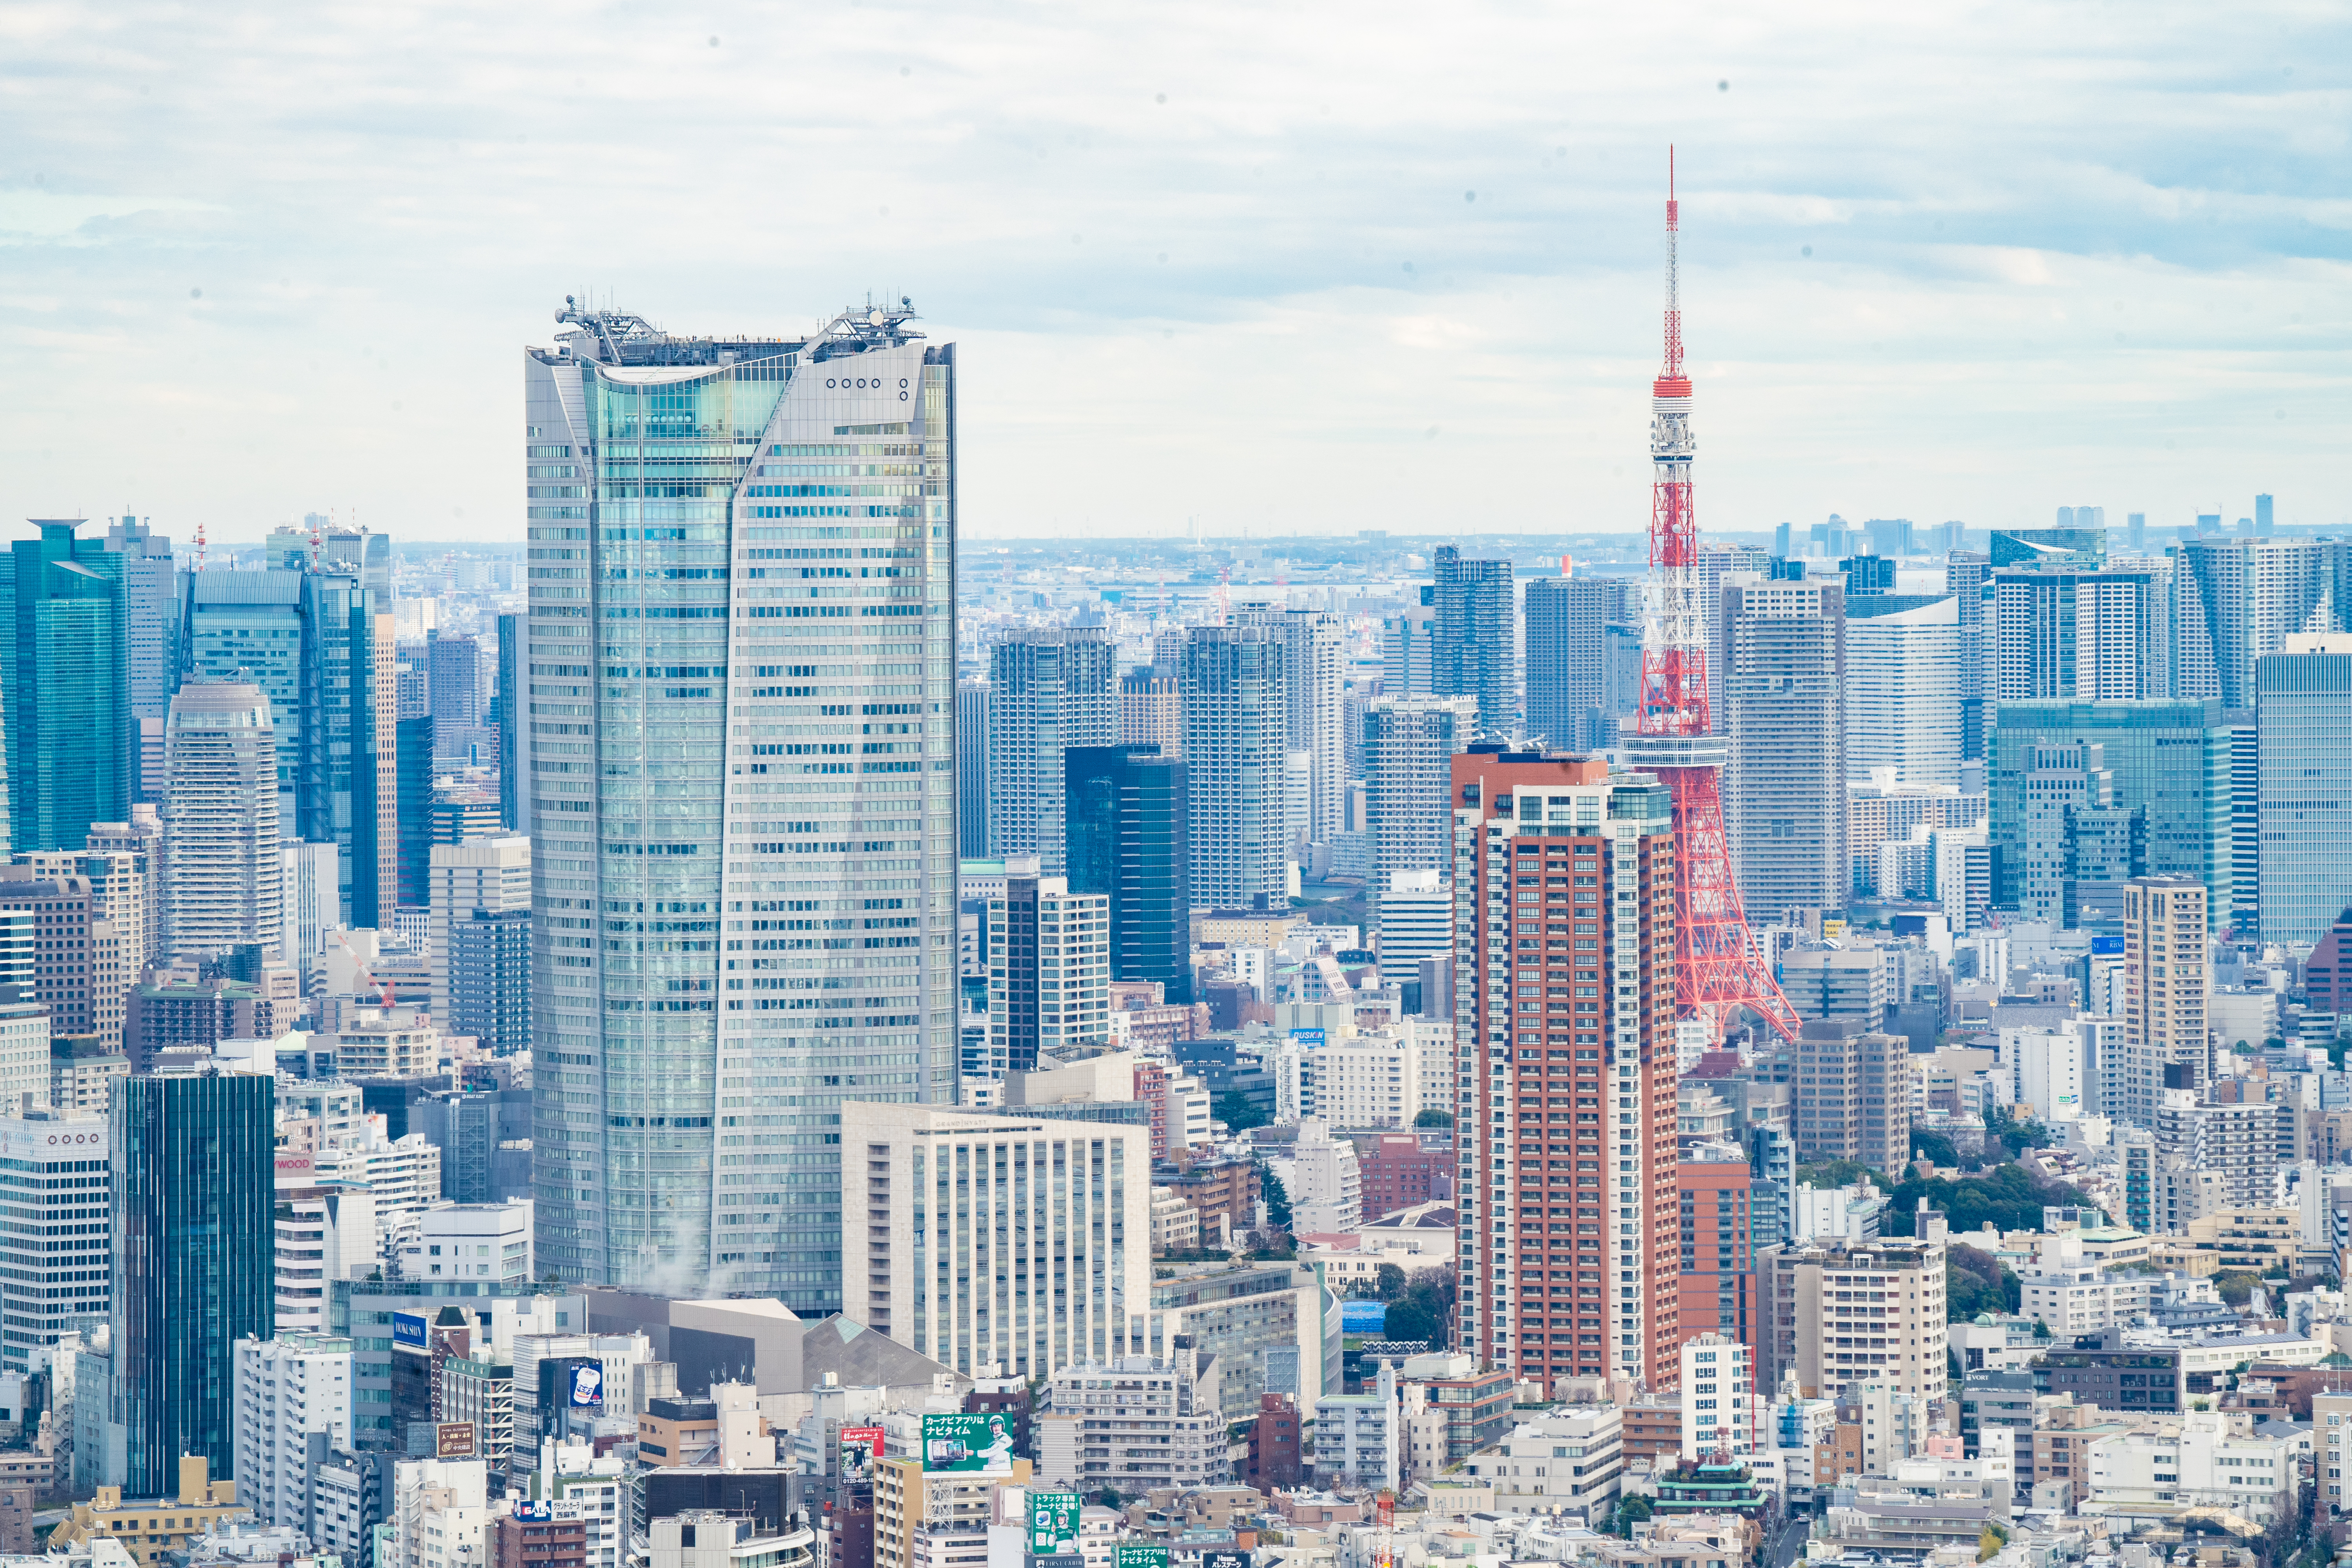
[[64, 686], [507, 711], [1125, 816], [195, 1261]]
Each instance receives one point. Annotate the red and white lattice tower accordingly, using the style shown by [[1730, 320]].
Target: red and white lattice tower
[[1717, 966]]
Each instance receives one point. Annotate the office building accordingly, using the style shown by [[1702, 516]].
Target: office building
[[1126, 820], [288, 1389], [193, 1183], [413, 813], [151, 600], [1475, 645], [849, 633], [483, 878], [151, 1526], [64, 686], [1409, 747], [142, 839], [2238, 600], [454, 682], [1824, 980], [1716, 1293], [2089, 634], [1416, 924], [55, 1263], [1967, 578], [1576, 1001], [2059, 781], [2177, 760], [1049, 689], [934, 1264], [1408, 646], [1048, 970], [2304, 871], [1568, 620], [227, 878], [1780, 684], [1151, 711], [513, 719], [1841, 1315], [2168, 979], [1904, 687], [971, 769], [321, 649], [472, 1242], [488, 962], [77, 970], [1236, 751], [309, 887], [1854, 1094]]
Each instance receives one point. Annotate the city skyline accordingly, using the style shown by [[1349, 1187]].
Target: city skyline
[[2063, 264]]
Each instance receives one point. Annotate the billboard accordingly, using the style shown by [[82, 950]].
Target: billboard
[[1235, 1559], [1053, 1524], [1139, 1555], [1364, 1317], [1307, 1039], [583, 1387], [532, 1512], [860, 1447], [2107, 947], [452, 1440], [966, 1444], [408, 1329]]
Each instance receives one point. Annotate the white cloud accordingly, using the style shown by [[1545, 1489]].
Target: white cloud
[[2058, 254]]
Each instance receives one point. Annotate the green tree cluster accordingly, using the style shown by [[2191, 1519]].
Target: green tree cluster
[[1976, 1282], [1239, 1112], [2009, 1197], [1422, 1307], [1433, 1116]]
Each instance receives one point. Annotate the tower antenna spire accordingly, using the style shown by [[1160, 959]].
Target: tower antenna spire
[[1717, 966]]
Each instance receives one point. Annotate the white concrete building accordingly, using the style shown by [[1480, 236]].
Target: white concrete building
[[1135, 1422], [2049, 1072], [313, 902], [925, 1183], [1357, 1439], [1048, 969], [1720, 1410], [1323, 1179], [471, 1241], [288, 1388], [1566, 1459], [1416, 921], [1409, 747], [438, 1506], [2200, 1460], [56, 1259], [1382, 1079]]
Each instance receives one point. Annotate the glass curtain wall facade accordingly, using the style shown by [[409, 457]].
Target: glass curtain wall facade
[[740, 696], [1126, 815], [195, 1262], [64, 686]]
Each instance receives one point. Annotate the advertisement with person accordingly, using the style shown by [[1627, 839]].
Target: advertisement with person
[[1053, 1524], [967, 1446], [860, 1447]]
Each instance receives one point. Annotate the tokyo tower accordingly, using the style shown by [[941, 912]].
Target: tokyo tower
[[1718, 966]]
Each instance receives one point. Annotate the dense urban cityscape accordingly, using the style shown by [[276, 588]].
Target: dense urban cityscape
[[1631, 1049]]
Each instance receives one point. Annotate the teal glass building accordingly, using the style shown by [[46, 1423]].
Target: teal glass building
[[739, 674], [1124, 811], [2180, 760], [195, 1261], [64, 686]]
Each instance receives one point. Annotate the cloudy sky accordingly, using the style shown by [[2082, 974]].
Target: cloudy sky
[[1282, 267]]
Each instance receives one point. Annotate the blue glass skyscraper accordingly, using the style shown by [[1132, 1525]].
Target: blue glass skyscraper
[[64, 686], [195, 1264], [740, 705]]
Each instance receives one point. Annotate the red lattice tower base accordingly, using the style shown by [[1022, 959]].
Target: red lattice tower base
[[1717, 966]]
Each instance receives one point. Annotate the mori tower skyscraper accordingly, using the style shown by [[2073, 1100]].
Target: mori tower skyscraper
[[739, 662]]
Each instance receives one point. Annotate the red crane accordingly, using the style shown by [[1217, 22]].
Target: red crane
[[1718, 966]]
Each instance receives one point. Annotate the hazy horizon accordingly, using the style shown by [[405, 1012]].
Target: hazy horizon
[[1291, 271]]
